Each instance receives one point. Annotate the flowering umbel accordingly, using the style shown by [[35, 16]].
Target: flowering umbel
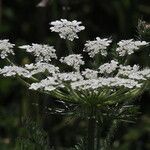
[[129, 46], [6, 48], [99, 45], [79, 84], [67, 29], [41, 52]]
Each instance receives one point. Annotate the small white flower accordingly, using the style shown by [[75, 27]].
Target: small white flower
[[41, 68], [43, 53], [48, 84], [69, 76], [94, 84], [8, 71], [96, 46], [67, 29], [129, 46], [108, 67], [133, 72], [74, 60], [127, 70], [6, 48], [90, 74], [140, 75], [85, 84]]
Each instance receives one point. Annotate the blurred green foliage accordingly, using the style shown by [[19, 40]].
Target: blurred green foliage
[[23, 22]]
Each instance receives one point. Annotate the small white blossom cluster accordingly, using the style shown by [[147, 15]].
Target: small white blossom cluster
[[129, 46], [6, 48], [67, 29], [56, 81], [127, 70], [43, 53], [99, 45], [29, 70], [94, 84], [90, 80], [74, 60], [90, 74], [8, 71], [108, 67], [71, 76], [41, 68], [48, 84], [140, 75], [134, 72]]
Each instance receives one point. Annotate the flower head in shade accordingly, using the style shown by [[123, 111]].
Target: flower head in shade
[[69, 76], [134, 72], [67, 29], [108, 67], [127, 47], [110, 82], [97, 46], [74, 60], [6, 48], [90, 74], [8, 71], [40, 67], [48, 84], [43, 53]]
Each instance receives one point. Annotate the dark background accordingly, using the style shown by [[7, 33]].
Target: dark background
[[23, 22]]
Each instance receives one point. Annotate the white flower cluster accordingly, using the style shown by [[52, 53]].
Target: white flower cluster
[[127, 70], [99, 45], [56, 81], [74, 60], [53, 83], [6, 48], [43, 53], [48, 84], [93, 84], [127, 76], [67, 29], [108, 67], [108, 75], [8, 71], [133, 72], [90, 74], [69, 76], [40, 67], [129, 46], [29, 70], [140, 75]]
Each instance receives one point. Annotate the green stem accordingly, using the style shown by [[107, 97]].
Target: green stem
[[69, 46], [98, 137], [91, 131], [111, 133]]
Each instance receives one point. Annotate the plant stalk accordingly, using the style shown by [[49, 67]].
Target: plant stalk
[[91, 131]]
